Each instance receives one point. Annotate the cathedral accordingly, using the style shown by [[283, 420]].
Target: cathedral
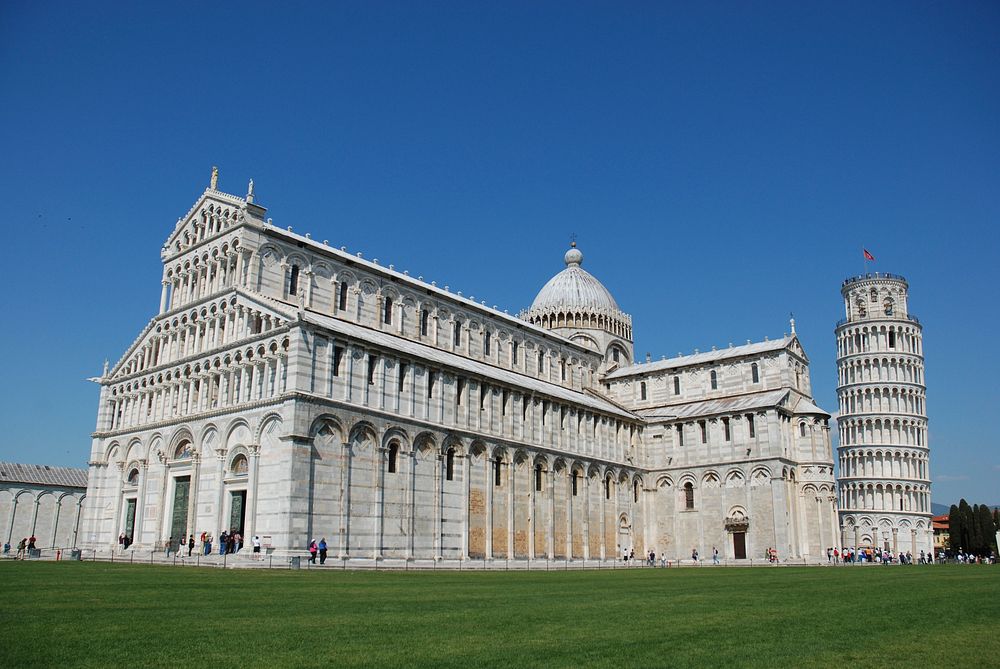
[[290, 390]]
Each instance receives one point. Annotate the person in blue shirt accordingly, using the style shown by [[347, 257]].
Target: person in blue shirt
[[322, 550]]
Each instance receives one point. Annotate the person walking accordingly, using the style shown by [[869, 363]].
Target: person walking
[[190, 544], [694, 555], [715, 555], [322, 550], [20, 548], [223, 540], [256, 548], [170, 546], [313, 548]]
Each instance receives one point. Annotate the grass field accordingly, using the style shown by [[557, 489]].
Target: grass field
[[97, 615]]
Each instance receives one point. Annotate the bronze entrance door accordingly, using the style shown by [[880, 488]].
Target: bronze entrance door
[[237, 510], [740, 545], [130, 519], [179, 517]]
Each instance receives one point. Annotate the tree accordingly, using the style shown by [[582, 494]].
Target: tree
[[954, 528], [986, 530]]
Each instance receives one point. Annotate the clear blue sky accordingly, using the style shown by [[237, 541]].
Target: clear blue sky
[[721, 163]]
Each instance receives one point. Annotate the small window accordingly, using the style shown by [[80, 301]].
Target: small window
[[293, 280], [496, 470], [430, 385], [372, 359], [892, 339], [483, 392], [607, 488], [704, 431], [576, 477], [688, 496], [342, 306], [459, 391], [755, 373], [133, 477], [677, 385], [458, 334], [450, 465], [751, 426], [541, 362], [615, 355], [338, 354], [680, 435], [513, 353], [393, 453], [802, 429], [562, 369], [424, 318], [486, 343], [642, 390], [635, 491], [715, 380], [538, 478], [503, 402], [725, 429], [888, 307], [387, 311], [402, 377]]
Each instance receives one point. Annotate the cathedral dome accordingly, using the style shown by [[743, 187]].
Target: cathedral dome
[[574, 288]]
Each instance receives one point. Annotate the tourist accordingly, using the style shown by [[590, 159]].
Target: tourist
[[715, 555], [6, 548], [31, 542], [21, 545], [121, 541], [322, 550], [313, 548], [694, 555], [256, 547], [208, 543], [170, 546], [190, 544], [223, 540], [829, 555]]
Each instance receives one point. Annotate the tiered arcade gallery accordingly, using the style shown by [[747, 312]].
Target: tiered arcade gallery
[[293, 391]]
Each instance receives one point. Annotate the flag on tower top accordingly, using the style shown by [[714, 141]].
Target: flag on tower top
[[868, 256]]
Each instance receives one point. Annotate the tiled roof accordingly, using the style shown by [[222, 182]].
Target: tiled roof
[[701, 358], [67, 477], [710, 407]]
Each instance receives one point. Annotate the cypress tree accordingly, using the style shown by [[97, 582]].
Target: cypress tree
[[954, 529], [965, 537], [985, 521]]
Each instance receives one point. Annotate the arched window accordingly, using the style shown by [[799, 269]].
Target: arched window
[[293, 280], [755, 373], [751, 426], [424, 318], [538, 478], [888, 306], [677, 385], [239, 466], [393, 453], [615, 355], [541, 362], [372, 359], [486, 343], [688, 495], [387, 311], [458, 334], [133, 477], [496, 470], [607, 488], [704, 431], [725, 429], [642, 390], [862, 310], [802, 429], [635, 491], [576, 476], [450, 465], [513, 352], [715, 380], [874, 295]]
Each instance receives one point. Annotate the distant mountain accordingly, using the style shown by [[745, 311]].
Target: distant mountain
[[939, 509]]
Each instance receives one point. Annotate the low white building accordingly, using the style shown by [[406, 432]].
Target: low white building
[[41, 501], [295, 391]]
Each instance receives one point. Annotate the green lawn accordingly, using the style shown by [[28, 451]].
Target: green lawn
[[97, 615]]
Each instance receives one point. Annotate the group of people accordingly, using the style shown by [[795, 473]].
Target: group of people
[[317, 549], [230, 542], [851, 555], [124, 541], [969, 558], [24, 546]]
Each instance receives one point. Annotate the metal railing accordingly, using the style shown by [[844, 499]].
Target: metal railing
[[858, 319], [873, 275]]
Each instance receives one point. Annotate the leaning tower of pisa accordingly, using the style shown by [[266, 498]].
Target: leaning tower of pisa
[[884, 479]]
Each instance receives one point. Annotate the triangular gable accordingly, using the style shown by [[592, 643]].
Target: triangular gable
[[795, 347], [227, 209], [275, 310]]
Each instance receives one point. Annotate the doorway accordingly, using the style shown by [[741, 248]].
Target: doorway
[[237, 510], [179, 515], [740, 545], [130, 519]]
